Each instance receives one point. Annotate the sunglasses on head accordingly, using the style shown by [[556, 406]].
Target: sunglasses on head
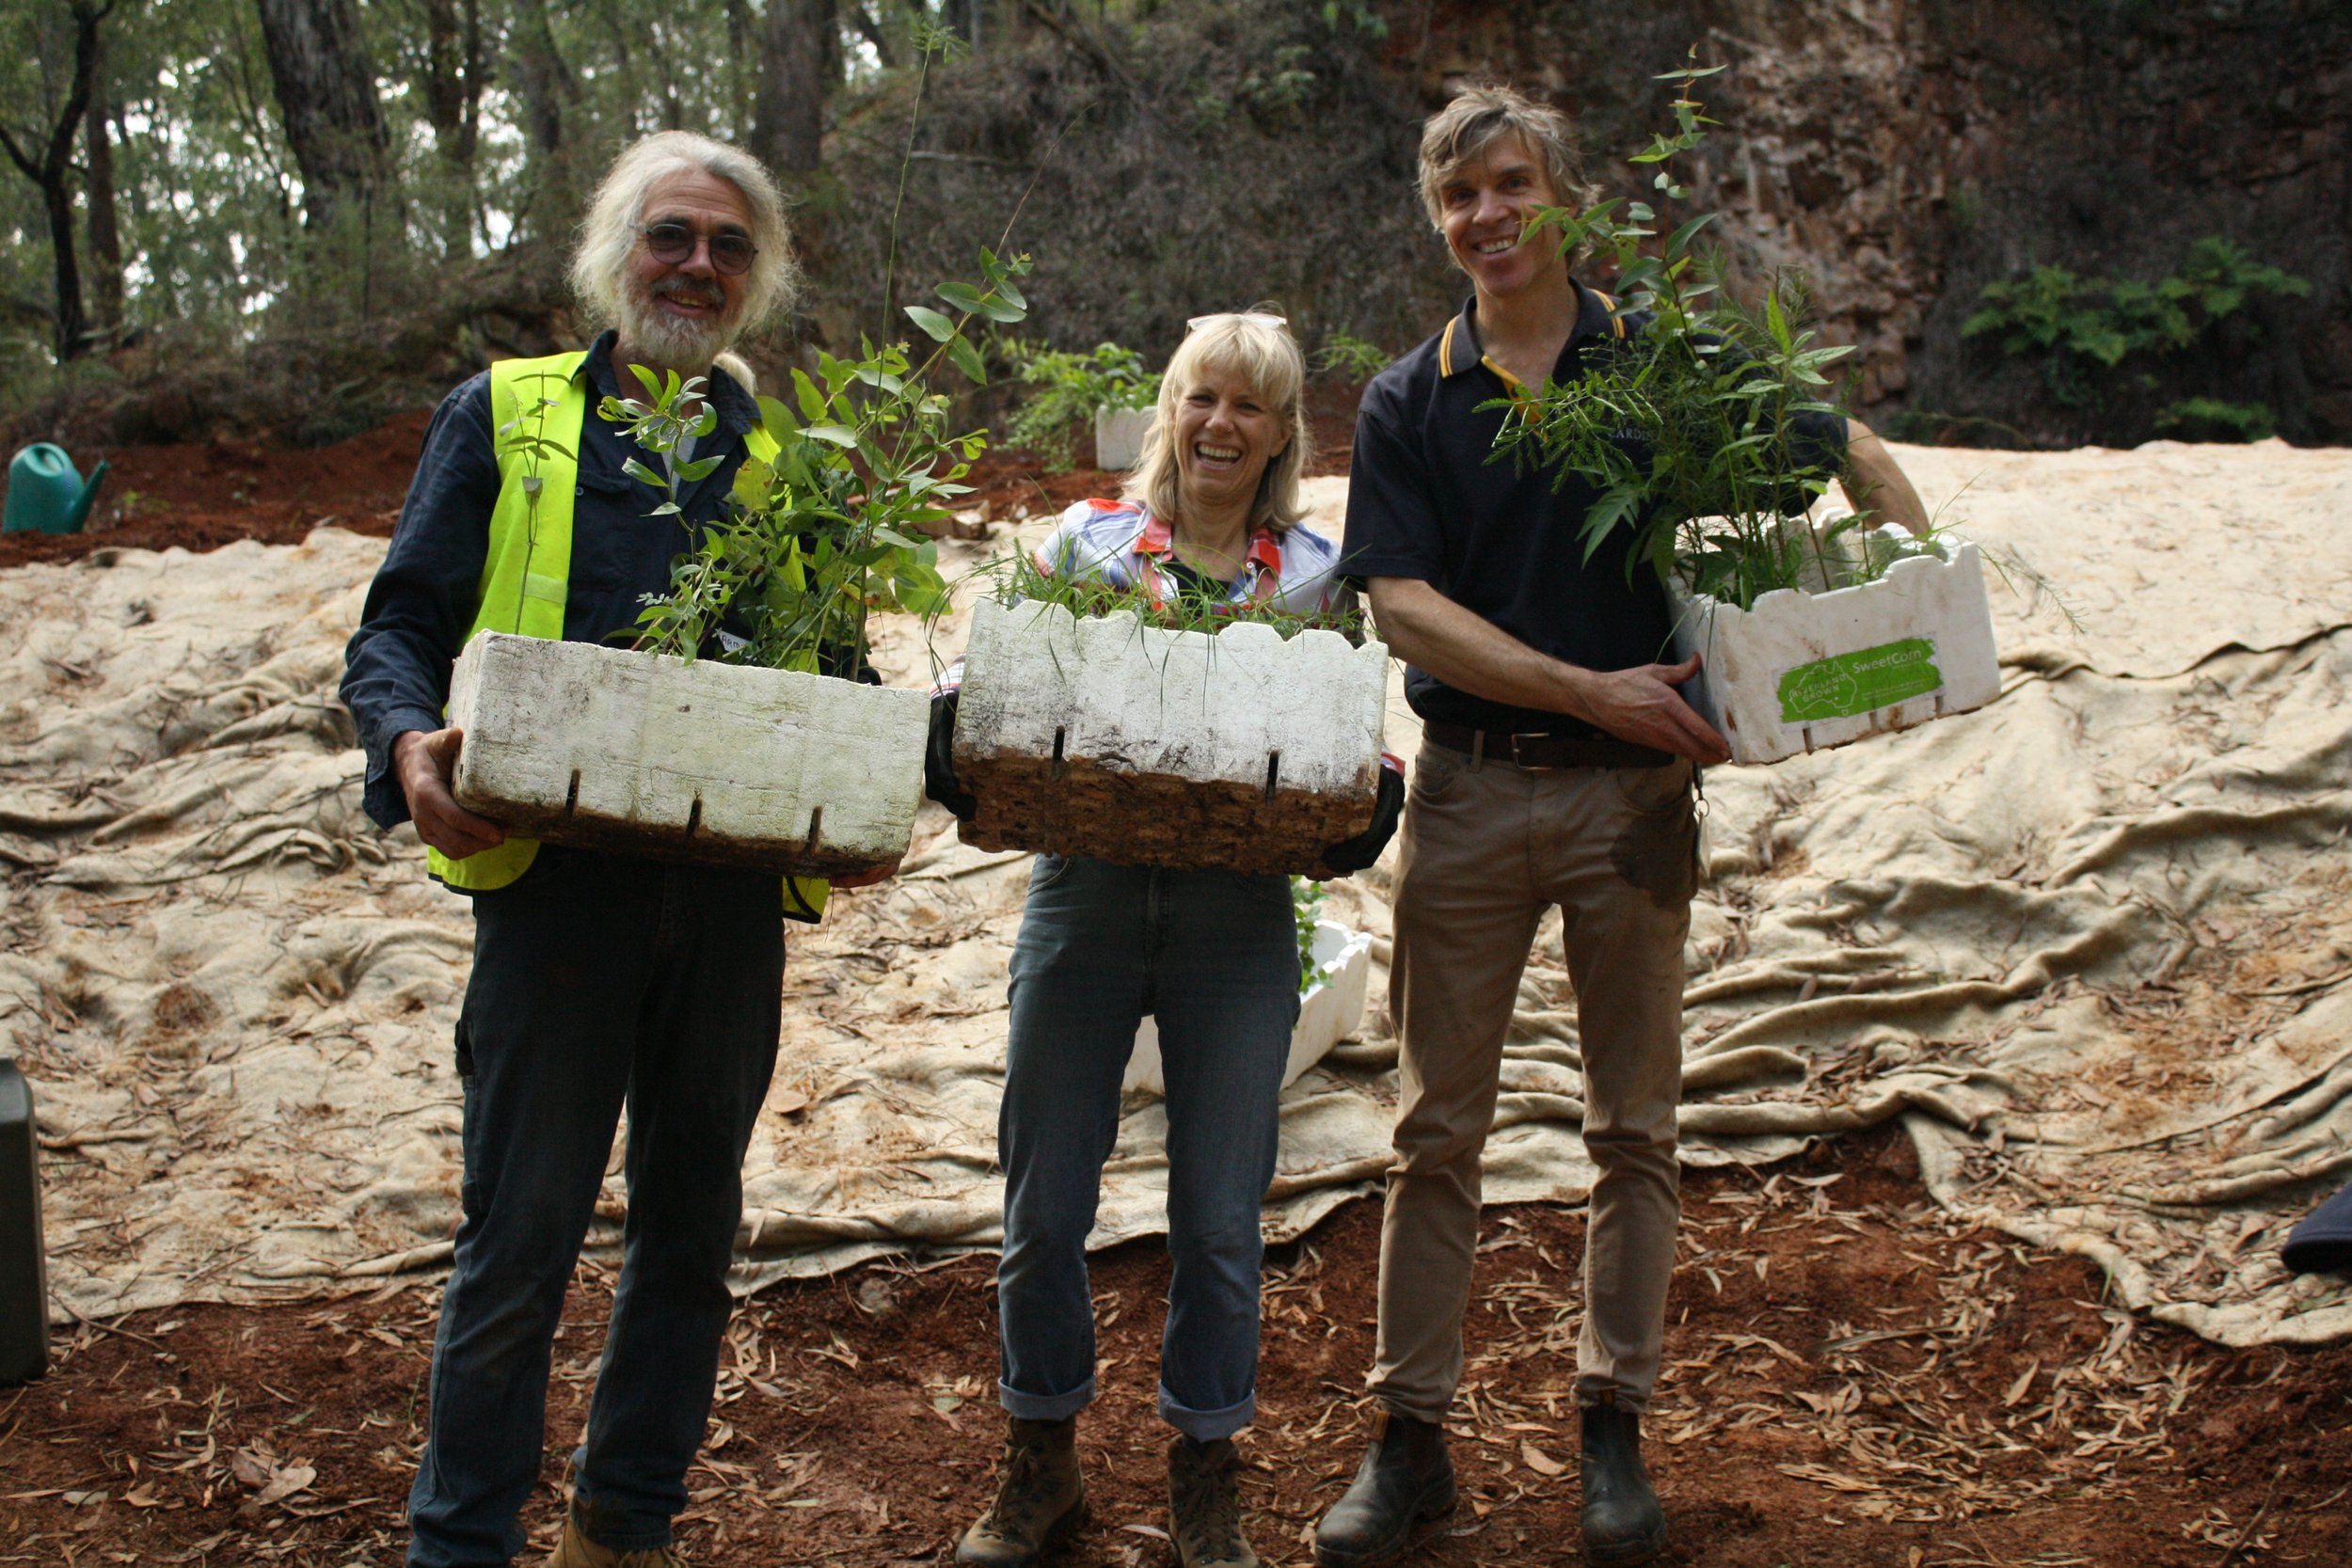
[[673, 243], [1255, 318]]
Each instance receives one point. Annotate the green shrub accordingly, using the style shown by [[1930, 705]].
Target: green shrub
[[832, 528], [1070, 387], [1686, 429], [1350, 358], [2082, 329], [2213, 420], [1306, 908]]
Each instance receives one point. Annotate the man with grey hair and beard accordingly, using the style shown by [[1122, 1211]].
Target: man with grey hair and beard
[[599, 981]]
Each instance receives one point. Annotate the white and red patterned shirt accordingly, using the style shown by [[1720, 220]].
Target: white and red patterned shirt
[[1122, 544]]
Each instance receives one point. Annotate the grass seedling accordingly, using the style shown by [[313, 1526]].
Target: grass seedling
[[1016, 577]]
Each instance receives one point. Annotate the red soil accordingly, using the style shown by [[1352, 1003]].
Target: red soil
[[1853, 1383], [205, 496], [202, 497]]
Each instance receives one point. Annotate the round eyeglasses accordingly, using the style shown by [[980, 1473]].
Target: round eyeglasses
[[671, 243]]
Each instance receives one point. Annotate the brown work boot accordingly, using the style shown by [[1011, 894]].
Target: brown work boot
[[1204, 1505], [1405, 1480], [1040, 1497], [575, 1550]]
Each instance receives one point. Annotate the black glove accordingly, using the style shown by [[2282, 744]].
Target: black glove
[[1361, 851], [939, 760]]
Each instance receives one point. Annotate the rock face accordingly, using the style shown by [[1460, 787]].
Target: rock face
[[715, 764], [1903, 154], [1100, 736]]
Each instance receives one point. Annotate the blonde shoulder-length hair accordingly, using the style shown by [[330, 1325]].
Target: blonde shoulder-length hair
[[1258, 348]]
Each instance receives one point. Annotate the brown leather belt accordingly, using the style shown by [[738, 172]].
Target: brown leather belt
[[1542, 752]]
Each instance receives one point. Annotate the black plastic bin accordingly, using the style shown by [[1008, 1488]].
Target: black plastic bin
[[24, 1268]]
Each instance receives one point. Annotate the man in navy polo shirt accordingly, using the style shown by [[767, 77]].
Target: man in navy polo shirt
[[1556, 768]]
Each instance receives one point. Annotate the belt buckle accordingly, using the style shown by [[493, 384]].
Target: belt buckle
[[1529, 767]]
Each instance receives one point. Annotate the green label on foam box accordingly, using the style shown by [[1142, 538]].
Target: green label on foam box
[[1858, 682]]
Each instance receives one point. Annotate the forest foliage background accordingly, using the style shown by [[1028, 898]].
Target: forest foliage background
[[293, 216]]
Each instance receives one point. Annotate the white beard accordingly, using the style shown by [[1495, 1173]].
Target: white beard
[[674, 340]]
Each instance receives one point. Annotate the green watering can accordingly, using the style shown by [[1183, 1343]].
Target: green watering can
[[46, 495]]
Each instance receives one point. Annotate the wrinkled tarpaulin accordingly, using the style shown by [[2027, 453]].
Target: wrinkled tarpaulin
[[2090, 944]]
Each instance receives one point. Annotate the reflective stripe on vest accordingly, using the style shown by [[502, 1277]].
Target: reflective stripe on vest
[[539, 411]]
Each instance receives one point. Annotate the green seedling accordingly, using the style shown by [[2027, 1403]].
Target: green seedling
[[1688, 430], [832, 525], [1069, 386], [1306, 908], [1016, 577]]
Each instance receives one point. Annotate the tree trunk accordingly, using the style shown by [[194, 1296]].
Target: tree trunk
[[862, 19], [73, 335], [318, 60], [105, 235], [742, 57], [546, 85], [541, 76], [789, 116], [453, 97], [52, 170], [452, 79], [961, 18]]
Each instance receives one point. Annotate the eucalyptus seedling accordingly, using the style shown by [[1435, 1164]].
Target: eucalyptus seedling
[[826, 520], [1690, 429]]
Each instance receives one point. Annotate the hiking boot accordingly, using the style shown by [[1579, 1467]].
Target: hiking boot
[[1405, 1480], [1040, 1497], [575, 1550], [1204, 1505], [1622, 1523]]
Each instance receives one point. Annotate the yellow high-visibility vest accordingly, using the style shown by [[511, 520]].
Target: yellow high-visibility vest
[[539, 410]]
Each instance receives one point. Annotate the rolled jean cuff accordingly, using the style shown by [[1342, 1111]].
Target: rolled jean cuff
[[1206, 1426], [605, 1531], [1044, 1408]]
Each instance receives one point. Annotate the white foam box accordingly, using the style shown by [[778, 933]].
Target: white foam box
[[1804, 671], [1329, 1010], [715, 764], [1101, 736], [1118, 435]]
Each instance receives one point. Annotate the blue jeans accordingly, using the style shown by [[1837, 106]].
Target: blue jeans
[[597, 982], [1214, 956]]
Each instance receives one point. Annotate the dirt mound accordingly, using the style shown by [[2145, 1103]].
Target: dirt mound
[[201, 497]]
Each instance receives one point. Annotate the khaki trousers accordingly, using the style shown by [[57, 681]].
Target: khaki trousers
[[1486, 848]]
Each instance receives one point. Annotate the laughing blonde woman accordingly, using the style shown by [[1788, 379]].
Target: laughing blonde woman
[[1212, 514]]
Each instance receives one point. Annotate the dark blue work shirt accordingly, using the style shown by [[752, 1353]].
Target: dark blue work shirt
[[1427, 500], [396, 668]]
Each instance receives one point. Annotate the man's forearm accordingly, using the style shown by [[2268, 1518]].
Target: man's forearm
[[1471, 654], [1468, 652], [1876, 484]]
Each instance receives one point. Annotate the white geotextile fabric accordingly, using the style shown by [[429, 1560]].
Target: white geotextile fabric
[[2091, 941]]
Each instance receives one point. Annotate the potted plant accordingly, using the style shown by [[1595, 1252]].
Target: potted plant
[[1334, 978], [1689, 430], [1093, 723], [733, 730], [1107, 385]]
